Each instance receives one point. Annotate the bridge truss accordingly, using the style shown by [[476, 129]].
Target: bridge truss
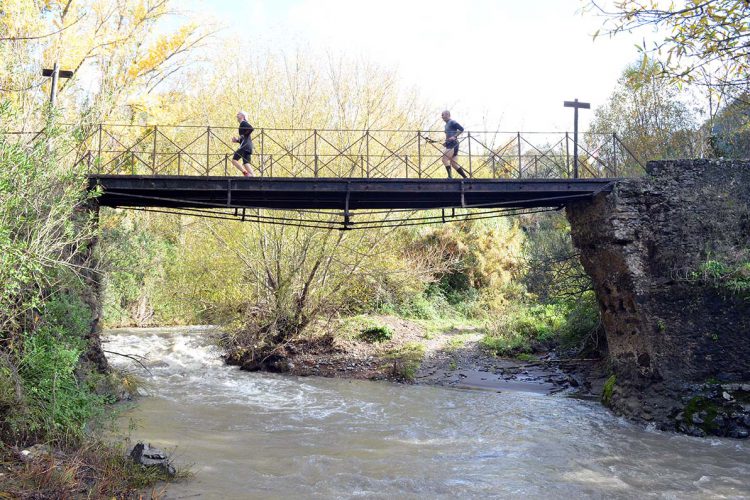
[[112, 154]]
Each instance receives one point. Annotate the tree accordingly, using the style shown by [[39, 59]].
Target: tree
[[702, 34], [118, 50], [645, 112], [730, 131]]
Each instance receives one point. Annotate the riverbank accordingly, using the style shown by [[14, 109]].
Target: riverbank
[[429, 353]]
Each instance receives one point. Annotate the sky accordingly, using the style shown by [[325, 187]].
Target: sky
[[496, 64]]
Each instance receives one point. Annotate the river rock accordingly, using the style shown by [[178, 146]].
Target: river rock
[[148, 456], [32, 453]]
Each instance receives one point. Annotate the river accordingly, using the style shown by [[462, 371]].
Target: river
[[258, 435]]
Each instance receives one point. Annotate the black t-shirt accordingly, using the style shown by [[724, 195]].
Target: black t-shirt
[[452, 127], [245, 130]]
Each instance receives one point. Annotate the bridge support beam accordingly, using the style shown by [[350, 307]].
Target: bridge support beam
[[668, 255]]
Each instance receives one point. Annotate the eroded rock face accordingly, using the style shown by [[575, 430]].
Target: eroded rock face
[[669, 329]]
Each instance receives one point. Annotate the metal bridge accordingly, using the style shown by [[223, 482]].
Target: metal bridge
[[344, 178]]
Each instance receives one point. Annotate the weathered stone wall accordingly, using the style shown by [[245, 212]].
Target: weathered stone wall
[[644, 245], [89, 269]]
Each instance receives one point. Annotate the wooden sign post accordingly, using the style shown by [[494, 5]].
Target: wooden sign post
[[576, 105]]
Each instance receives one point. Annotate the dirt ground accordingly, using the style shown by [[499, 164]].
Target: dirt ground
[[453, 356]]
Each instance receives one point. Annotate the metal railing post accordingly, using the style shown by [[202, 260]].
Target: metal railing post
[[468, 135], [153, 153], [262, 152], [367, 151], [520, 167], [315, 152], [99, 157], [208, 149], [419, 155], [567, 154]]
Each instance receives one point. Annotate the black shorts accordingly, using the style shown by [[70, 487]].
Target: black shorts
[[452, 144], [243, 153]]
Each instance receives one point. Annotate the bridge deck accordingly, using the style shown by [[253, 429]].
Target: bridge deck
[[170, 191]]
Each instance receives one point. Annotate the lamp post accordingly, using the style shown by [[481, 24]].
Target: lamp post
[[575, 105]]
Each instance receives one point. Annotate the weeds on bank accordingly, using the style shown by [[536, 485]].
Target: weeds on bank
[[526, 329], [457, 341], [96, 470], [406, 360], [729, 277]]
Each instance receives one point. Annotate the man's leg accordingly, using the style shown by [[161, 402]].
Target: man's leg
[[246, 154], [455, 164], [458, 168], [236, 163], [447, 158], [241, 154]]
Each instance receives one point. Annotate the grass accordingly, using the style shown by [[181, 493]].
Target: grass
[[458, 341], [377, 333], [525, 329], [733, 278], [434, 327], [508, 344], [406, 360], [608, 389], [96, 470]]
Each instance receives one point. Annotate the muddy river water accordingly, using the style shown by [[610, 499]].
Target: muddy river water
[[257, 435]]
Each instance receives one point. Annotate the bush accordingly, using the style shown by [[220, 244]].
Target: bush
[[526, 328], [406, 360], [730, 277], [95, 470], [55, 405], [582, 326], [376, 334]]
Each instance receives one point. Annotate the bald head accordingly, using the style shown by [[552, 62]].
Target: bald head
[[446, 115]]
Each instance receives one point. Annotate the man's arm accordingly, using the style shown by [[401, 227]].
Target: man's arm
[[246, 129], [458, 130]]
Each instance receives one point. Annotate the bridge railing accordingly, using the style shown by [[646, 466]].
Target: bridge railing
[[205, 151]]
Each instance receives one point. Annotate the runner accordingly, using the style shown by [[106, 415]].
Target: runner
[[246, 146], [452, 130]]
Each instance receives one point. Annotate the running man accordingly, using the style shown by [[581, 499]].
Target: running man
[[246, 146], [452, 130]]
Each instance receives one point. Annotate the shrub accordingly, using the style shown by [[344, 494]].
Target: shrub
[[609, 387], [406, 360], [733, 278], [55, 405], [379, 333], [524, 328]]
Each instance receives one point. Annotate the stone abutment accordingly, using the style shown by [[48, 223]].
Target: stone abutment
[[669, 255]]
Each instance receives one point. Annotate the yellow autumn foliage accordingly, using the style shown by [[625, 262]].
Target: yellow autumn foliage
[[163, 48]]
